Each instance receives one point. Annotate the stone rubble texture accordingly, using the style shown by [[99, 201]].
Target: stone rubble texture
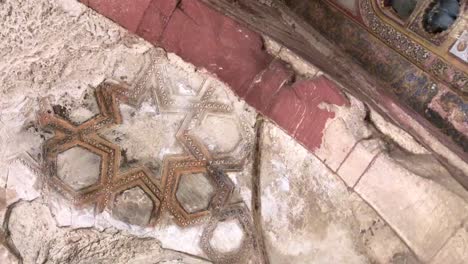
[[366, 193], [40, 241]]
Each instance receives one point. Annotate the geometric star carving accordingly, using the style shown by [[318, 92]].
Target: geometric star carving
[[68, 135], [112, 181], [174, 168]]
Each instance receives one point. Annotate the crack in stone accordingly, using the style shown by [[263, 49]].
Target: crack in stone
[[5, 235], [256, 191]]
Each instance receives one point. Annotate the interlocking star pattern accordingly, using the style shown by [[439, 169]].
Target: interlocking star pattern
[[196, 159], [68, 135]]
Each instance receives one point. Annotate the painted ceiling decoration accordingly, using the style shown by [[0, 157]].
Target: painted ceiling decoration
[[441, 15], [421, 69], [410, 38], [402, 8]]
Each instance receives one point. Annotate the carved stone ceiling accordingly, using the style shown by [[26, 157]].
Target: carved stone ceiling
[[113, 150]]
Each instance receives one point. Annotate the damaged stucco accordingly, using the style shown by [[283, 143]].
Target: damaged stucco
[[307, 207]]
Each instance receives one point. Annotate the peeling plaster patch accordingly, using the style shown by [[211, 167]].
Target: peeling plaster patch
[[270, 207], [172, 235], [61, 210], [67, 215], [20, 134], [83, 218], [342, 132], [78, 167], [78, 103], [133, 206], [299, 65], [243, 182], [23, 181], [271, 46], [224, 138], [233, 177]]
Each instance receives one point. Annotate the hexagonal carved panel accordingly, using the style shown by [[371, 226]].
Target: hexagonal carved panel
[[220, 133], [227, 236], [194, 192], [133, 206], [78, 167]]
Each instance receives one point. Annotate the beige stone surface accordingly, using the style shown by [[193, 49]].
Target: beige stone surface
[[7, 197], [271, 46], [359, 159], [303, 68], [342, 132], [428, 167], [133, 206], [90, 246], [399, 136], [456, 249], [426, 137], [6, 257], [224, 138], [194, 192], [309, 216], [78, 167], [31, 225], [422, 212], [227, 236], [21, 182]]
